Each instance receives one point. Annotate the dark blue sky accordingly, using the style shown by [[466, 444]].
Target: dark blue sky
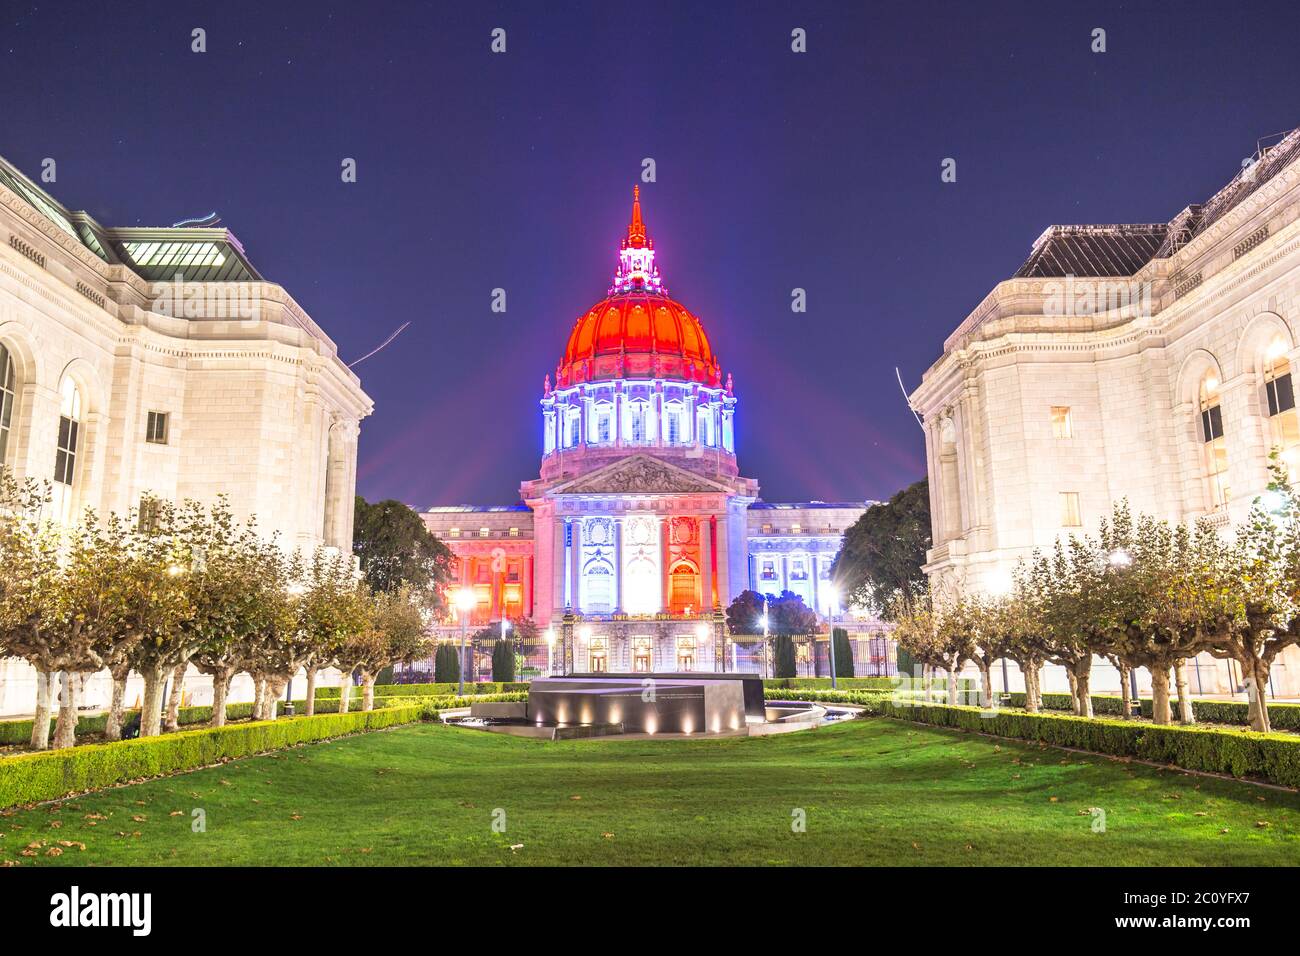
[[774, 170]]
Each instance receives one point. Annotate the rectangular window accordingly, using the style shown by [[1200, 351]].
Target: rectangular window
[[604, 420], [453, 532], [796, 529], [767, 529], [1070, 509], [674, 427], [1281, 395], [514, 532], [768, 573], [1062, 427], [484, 532], [156, 428], [65, 458], [1211, 423]]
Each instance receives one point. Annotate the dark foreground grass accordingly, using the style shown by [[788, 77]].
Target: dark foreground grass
[[874, 792]]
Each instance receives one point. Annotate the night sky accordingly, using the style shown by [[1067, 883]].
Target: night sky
[[775, 170]]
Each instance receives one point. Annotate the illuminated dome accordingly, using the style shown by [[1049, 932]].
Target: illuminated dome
[[638, 331]]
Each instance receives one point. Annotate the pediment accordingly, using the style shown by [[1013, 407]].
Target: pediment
[[641, 475]]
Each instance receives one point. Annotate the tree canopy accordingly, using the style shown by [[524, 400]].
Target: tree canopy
[[396, 548], [884, 550]]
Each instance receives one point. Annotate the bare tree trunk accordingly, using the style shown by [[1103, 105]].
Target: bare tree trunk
[[1083, 690], [1031, 688], [310, 708], [952, 684], [368, 696], [41, 725], [1160, 695], [1255, 673], [65, 731], [220, 691], [275, 687], [259, 697], [151, 706], [1125, 696], [113, 725], [986, 684], [1074, 689], [1185, 713], [345, 691], [172, 722]]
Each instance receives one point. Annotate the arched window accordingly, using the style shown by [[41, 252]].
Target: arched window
[[65, 457], [7, 389], [1216, 451], [1284, 426]]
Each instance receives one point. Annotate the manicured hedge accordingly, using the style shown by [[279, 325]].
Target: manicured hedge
[[866, 698], [20, 731], [1241, 753], [1282, 716], [866, 683], [425, 690], [51, 774]]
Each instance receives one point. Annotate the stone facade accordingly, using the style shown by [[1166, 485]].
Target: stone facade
[[1149, 362], [158, 362]]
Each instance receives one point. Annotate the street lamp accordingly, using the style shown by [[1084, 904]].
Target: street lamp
[[465, 600], [1119, 558], [764, 620], [835, 601], [550, 652], [505, 626]]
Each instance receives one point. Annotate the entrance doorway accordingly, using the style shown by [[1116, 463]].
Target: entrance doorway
[[642, 654]]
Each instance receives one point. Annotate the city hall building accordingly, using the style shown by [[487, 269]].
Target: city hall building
[[640, 528], [158, 362], [1148, 361]]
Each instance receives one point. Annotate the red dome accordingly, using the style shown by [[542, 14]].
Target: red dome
[[638, 335], [638, 332]]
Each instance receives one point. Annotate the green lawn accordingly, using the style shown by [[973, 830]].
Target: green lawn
[[874, 792]]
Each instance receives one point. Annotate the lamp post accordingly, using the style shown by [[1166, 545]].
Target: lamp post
[[835, 601], [764, 621], [550, 652], [465, 600], [505, 626]]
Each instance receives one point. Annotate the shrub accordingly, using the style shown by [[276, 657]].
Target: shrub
[[843, 652], [51, 774], [446, 664], [1240, 753], [784, 658], [503, 661]]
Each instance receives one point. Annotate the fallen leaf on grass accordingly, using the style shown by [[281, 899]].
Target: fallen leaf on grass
[[54, 851], [608, 836]]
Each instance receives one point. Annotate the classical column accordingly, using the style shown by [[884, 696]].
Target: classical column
[[575, 565], [557, 566], [724, 562], [704, 529], [664, 554], [527, 608], [618, 565], [496, 585]]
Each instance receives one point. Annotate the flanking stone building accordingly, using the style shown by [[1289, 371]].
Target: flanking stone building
[[158, 362], [1149, 361]]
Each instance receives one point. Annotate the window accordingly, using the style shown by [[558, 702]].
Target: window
[[6, 401], [638, 416], [767, 529], [453, 532], [1216, 450], [798, 570], [156, 429], [796, 529], [1284, 426], [673, 425], [767, 571], [65, 456], [604, 425], [1070, 509], [484, 532], [573, 434], [514, 532], [1062, 426]]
